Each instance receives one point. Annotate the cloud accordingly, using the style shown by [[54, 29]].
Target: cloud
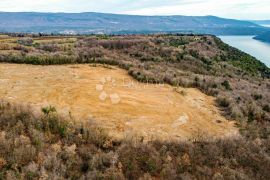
[[241, 9]]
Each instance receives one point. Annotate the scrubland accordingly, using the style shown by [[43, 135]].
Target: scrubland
[[34, 146], [47, 146]]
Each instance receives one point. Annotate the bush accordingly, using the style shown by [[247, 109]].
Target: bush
[[48, 110], [266, 108], [226, 84], [257, 96], [26, 41], [223, 102], [49, 47]]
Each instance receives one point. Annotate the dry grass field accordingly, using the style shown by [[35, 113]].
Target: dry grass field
[[152, 111]]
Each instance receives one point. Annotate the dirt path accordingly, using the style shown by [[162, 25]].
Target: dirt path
[[118, 103]]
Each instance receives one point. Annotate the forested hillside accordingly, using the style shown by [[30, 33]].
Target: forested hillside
[[263, 37]]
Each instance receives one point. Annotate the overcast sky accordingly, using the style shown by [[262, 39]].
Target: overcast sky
[[240, 9]]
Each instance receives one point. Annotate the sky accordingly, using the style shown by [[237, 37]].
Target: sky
[[237, 9]]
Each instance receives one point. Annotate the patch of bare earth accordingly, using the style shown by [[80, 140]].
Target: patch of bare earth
[[111, 99]]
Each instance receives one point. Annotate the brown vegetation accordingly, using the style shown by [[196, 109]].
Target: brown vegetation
[[203, 62], [34, 146], [240, 83]]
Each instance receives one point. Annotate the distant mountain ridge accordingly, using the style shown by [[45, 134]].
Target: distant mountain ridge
[[261, 22], [94, 23]]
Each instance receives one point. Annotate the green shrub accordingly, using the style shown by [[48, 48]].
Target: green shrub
[[48, 110], [178, 42], [257, 96], [266, 108], [226, 84], [223, 102]]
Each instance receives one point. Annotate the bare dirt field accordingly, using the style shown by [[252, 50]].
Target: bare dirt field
[[110, 98]]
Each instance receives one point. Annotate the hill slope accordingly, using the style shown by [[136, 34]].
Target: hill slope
[[203, 62], [261, 22], [35, 145], [263, 37], [112, 23], [47, 147]]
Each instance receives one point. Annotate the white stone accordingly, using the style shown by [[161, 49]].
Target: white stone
[[115, 98], [103, 95], [180, 121], [99, 87]]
